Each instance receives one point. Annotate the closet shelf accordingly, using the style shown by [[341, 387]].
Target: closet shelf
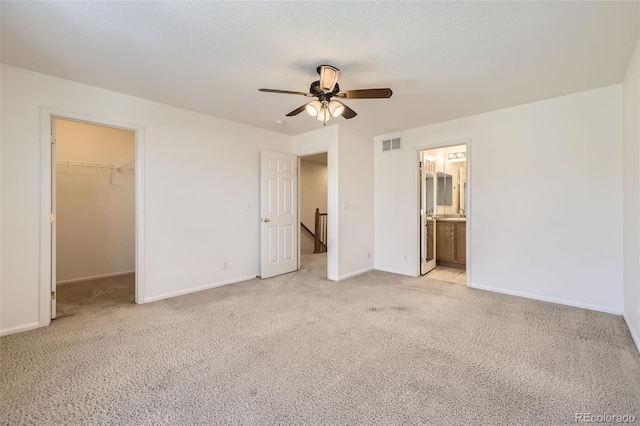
[[127, 166], [113, 167], [86, 165]]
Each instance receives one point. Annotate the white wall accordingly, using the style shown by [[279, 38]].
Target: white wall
[[95, 215], [313, 191], [325, 139], [1, 198], [631, 194], [539, 177], [355, 202], [201, 175], [527, 236], [350, 196]]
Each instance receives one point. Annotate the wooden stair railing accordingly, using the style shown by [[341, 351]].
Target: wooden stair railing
[[320, 236], [323, 246], [308, 230]]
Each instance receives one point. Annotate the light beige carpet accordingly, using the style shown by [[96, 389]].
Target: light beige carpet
[[297, 349], [448, 274]]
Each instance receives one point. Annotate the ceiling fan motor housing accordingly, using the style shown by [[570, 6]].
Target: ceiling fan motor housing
[[317, 91]]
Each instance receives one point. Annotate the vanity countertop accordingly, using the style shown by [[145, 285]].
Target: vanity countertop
[[451, 219]]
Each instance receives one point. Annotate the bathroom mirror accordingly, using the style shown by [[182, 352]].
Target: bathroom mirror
[[445, 189], [451, 187]]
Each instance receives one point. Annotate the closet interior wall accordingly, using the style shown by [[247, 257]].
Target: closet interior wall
[[95, 211]]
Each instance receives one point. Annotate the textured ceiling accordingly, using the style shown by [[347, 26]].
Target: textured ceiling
[[443, 60]]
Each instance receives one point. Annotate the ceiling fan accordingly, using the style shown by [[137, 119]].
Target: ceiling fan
[[327, 88]]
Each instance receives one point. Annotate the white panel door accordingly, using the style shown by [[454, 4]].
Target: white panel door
[[279, 211], [427, 215]]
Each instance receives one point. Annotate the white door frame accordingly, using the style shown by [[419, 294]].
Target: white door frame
[[469, 191], [46, 170], [332, 219]]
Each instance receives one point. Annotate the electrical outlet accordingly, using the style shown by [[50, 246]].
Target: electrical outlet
[[406, 257], [248, 206], [369, 255], [225, 265]]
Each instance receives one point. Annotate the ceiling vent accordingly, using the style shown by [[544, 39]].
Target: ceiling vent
[[391, 144]]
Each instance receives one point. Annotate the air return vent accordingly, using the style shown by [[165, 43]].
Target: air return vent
[[391, 144]]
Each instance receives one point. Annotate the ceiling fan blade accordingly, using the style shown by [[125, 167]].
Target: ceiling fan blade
[[286, 92], [328, 77], [297, 110], [365, 94], [348, 112]]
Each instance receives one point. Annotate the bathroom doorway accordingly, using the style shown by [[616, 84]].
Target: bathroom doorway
[[443, 204]]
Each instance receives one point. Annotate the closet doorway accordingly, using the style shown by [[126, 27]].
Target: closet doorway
[[93, 221]]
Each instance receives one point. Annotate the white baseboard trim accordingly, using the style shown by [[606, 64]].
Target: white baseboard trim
[[19, 328], [548, 299], [392, 271], [196, 289], [634, 336], [95, 277], [353, 274]]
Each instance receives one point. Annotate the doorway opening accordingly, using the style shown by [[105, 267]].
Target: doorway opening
[[93, 226], [443, 207], [314, 231]]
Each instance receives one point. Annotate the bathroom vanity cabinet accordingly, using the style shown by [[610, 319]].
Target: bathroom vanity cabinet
[[451, 242]]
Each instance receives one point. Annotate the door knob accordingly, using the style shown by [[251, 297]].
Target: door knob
[[265, 220]]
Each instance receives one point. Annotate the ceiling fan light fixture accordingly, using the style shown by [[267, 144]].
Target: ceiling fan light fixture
[[336, 108], [324, 114], [313, 108]]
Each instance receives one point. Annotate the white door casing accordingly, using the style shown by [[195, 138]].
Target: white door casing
[[422, 205], [279, 214], [53, 218], [47, 203]]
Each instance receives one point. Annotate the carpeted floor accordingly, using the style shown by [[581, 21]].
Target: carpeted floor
[[297, 349], [448, 274]]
